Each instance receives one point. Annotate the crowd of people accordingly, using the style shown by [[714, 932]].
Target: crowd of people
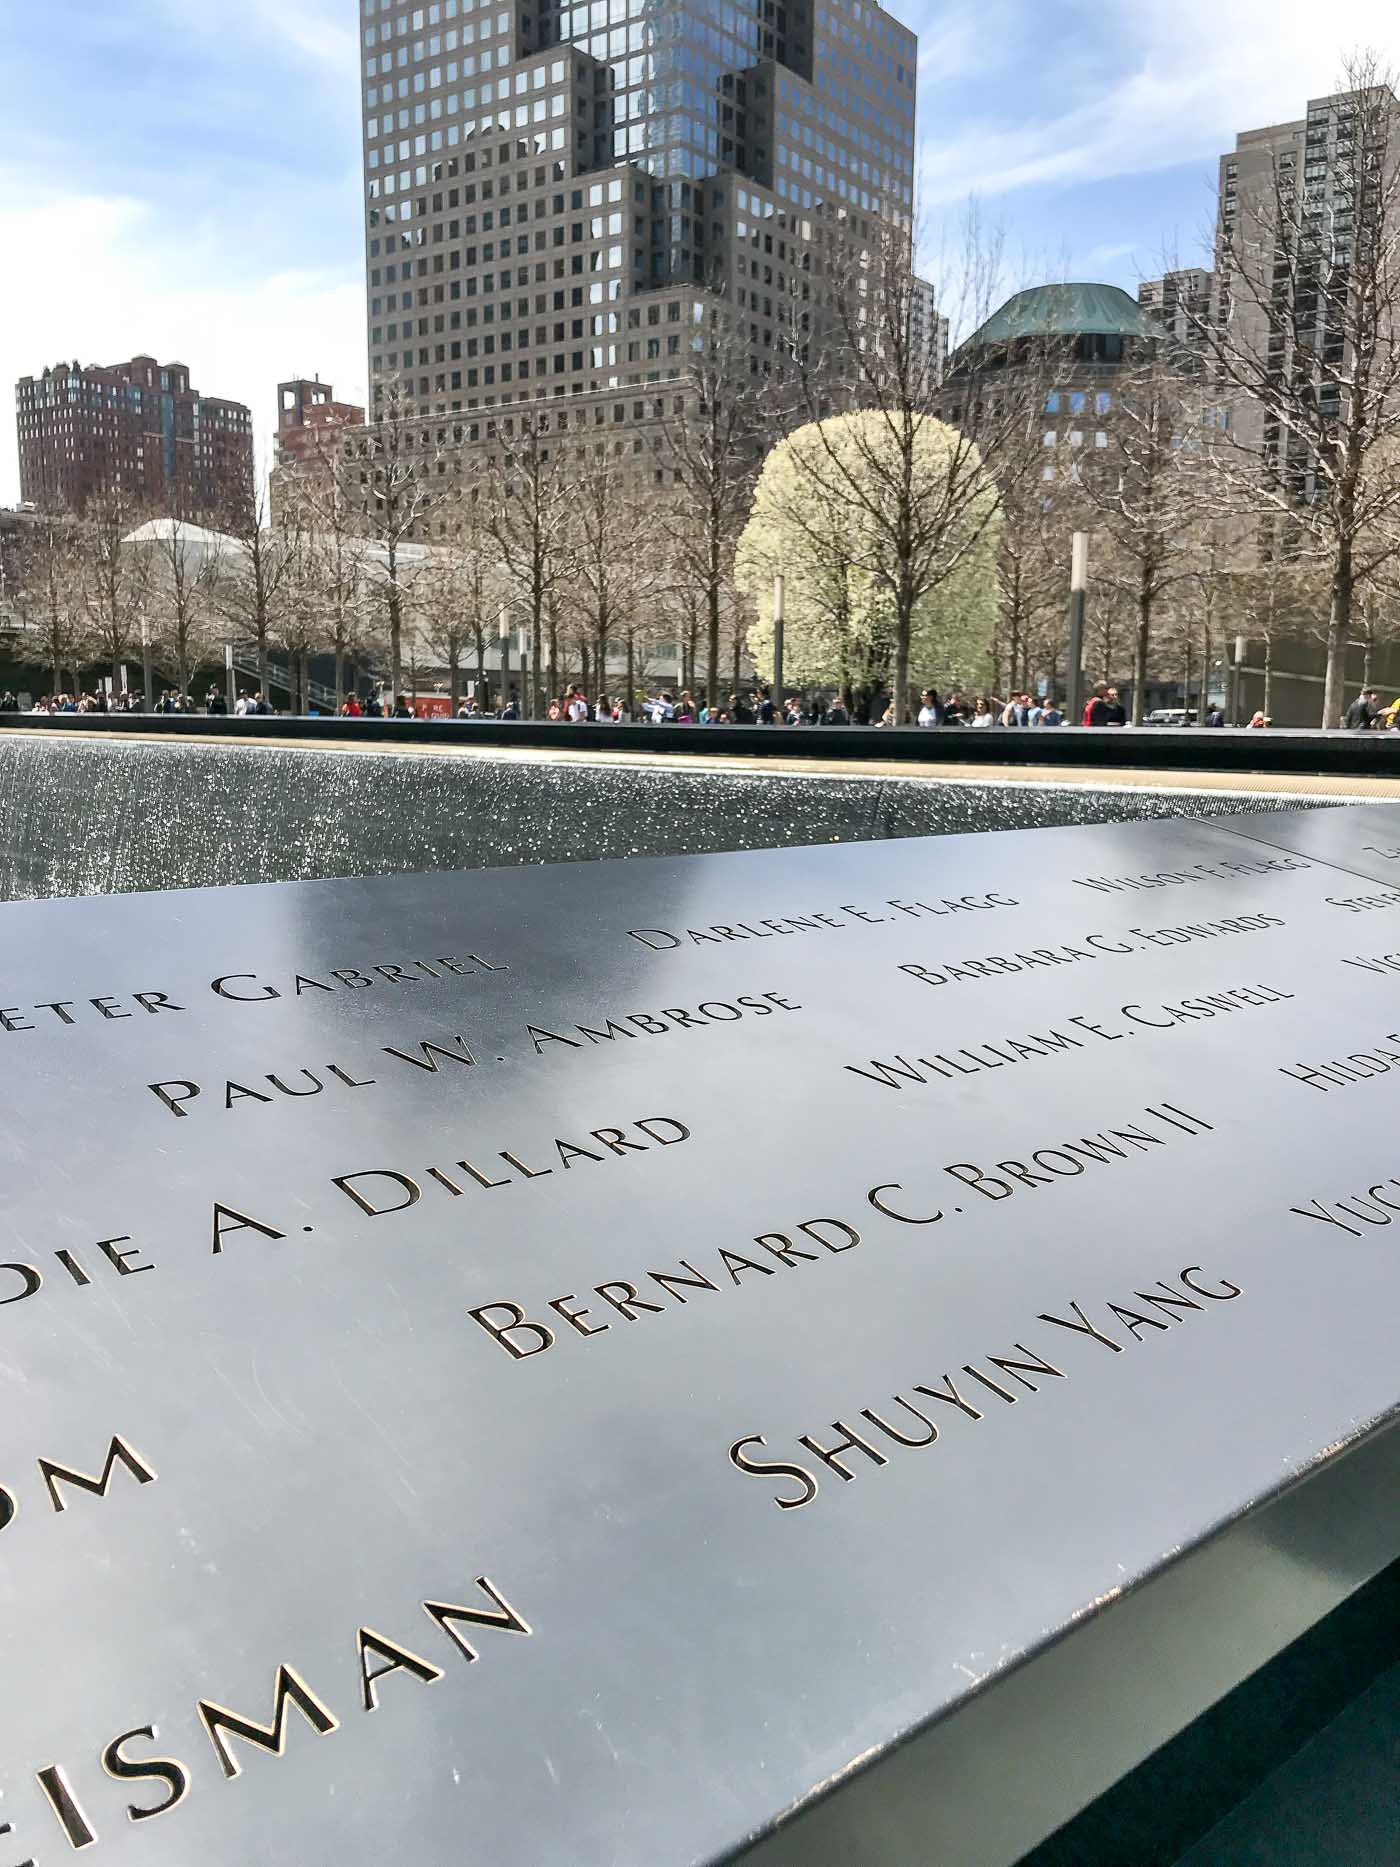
[[1366, 714], [1103, 708], [99, 702]]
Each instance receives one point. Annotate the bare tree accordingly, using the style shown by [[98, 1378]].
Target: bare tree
[[1304, 330], [52, 593], [465, 588], [265, 574], [1031, 612], [185, 567], [403, 473], [863, 344], [716, 419], [1150, 488], [114, 575], [529, 519], [324, 502], [608, 542], [1275, 596]]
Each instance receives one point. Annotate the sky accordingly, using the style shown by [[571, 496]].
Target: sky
[[181, 177]]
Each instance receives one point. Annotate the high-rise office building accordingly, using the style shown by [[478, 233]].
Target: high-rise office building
[[1183, 302], [1293, 199], [929, 329], [138, 426], [555, 192]]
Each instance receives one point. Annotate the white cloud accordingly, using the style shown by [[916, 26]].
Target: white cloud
[[1192, 74], [315, 29], [1105, 254], [119, 280]]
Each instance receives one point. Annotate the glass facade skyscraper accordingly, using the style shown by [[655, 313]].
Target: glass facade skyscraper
[[554, 191]]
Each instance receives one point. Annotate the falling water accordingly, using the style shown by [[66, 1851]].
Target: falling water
[[93, 817]]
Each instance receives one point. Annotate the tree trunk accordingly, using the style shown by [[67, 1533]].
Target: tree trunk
[[1366, 659], [454, 670], [262, 656], [1268, 676], [1205, 674], [903, 632], [736, 659], [395, 638], [630, 709], [1338, 629], [339, 676], [712, 647], [1144, 636]]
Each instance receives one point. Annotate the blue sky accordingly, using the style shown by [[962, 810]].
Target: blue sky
[[182, 176]]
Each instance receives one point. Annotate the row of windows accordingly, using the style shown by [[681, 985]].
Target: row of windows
[[1077, 402], [432, 16], [806, 103], [836, 185], [432, 47], [521, 118], [599, 357], [852, 165]]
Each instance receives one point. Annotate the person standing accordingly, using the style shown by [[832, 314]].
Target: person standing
[[930, 712], [1361, 714]]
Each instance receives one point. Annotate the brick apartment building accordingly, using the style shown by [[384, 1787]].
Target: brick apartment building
[[311, 428], [137, 425]]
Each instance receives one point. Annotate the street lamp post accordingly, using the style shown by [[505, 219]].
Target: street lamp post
[[778, 620], [505, 659], [146, 675], [1078, 580]]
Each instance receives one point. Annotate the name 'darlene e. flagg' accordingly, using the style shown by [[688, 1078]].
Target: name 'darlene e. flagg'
[[666, 939]]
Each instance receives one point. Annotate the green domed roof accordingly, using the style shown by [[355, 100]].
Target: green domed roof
[[1066, 311]]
